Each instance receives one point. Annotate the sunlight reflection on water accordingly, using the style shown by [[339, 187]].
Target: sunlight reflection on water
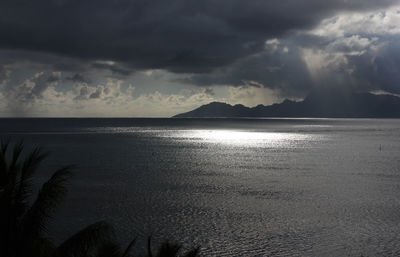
[[236, 138], [219, 136]]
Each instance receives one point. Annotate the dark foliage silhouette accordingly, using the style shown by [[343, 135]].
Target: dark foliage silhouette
[[24, 216], [23, 224], [168, 249]]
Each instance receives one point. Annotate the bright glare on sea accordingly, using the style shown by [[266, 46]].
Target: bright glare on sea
[[236, 187]]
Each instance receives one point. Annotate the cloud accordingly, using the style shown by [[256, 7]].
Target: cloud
[[34, 87], [21, 97], [279, 66], [178, 35], [209, 91], [158, 58], [97, 94], [378, 69], [252, 95], [103, 100], [78, 77], [4, 75], [377, 22], [356, 50], [353, 50], [115, 68]]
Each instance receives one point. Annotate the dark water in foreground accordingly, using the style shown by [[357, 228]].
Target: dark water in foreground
[[237, 187]]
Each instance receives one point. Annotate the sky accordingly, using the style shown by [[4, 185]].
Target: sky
[[157, 58]]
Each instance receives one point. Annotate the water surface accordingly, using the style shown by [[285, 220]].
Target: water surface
[[237, 187]]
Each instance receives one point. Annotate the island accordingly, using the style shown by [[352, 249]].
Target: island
[[318, 104]]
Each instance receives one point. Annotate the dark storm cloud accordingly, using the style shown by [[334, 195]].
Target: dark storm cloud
[[380, 71], [78, 78], [21, 58], [279, 67], [3, 73], [180, 35]]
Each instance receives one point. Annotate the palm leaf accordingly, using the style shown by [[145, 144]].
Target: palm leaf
[[16, 154], [85, 241], [49, 196], [27, 169], [149, 252], [192, 253], [168, 250], [4, 146], [109, 249], [41, 247], [3, 164], [31, 163], [128, 249]]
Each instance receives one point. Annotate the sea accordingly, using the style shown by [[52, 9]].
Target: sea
[[233, 187]]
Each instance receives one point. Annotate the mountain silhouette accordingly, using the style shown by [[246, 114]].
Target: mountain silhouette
[[319, 103]]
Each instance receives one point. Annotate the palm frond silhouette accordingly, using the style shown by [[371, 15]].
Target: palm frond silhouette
[[24, 217]]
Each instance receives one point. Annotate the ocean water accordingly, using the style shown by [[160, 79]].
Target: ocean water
[[235, 187]]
